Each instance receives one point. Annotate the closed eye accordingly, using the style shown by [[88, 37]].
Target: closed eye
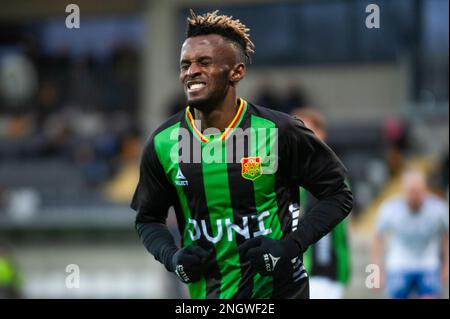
[[184, 66], [204, 61]]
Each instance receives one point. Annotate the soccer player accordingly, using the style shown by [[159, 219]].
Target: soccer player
[[417, 223], [10, 279], [328, 261], [232, 171]]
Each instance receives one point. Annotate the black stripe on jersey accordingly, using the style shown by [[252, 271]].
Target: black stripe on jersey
[[318, 268], [180, 219], [283, 196]]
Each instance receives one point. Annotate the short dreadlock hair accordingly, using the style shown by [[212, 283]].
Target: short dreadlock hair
[[231, 29]]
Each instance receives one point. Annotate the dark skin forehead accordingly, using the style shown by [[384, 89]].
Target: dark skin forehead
[[212, 45]]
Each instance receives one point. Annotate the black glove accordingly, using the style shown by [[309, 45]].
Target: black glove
[[269, 256], [188, 263]]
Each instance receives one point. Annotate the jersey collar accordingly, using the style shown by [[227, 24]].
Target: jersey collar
[[233, 124]]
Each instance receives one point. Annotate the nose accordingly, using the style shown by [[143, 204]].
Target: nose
[[193, 70]]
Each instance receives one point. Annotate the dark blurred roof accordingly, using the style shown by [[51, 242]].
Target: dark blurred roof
[[31, 10]]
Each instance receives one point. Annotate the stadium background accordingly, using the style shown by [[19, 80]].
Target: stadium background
[[76, 105]]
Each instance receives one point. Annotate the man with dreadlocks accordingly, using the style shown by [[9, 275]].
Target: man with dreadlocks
[[232, 171]]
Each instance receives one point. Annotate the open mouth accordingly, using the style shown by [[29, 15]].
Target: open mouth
[[195, 86]]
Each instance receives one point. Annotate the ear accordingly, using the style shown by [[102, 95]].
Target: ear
[[237, 73]]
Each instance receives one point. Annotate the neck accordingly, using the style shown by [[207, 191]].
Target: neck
[[220, 115]]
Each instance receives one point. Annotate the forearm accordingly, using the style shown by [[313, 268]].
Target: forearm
[[158, 240], [322, 218]]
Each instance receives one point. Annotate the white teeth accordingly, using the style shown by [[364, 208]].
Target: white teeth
[[196, 86]]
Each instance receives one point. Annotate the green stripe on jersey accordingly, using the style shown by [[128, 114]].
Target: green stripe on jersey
[[215, 180], [342, 252], [261, 143], [167, 146]]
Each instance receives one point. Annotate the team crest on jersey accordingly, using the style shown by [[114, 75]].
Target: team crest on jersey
[[251, 167]]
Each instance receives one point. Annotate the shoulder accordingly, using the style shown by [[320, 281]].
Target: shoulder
[[436, 205], [161, 135], [280, 119], [392, 204], [165, 128], [286, 124], [171, 122], [435, 201]]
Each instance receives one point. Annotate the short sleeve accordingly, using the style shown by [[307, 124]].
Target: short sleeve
[[309, 162], [443, 215], [384, 218], [153, 195]]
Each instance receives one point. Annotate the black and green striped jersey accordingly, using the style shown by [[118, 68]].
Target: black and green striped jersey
[[227, 187], [330, 256]]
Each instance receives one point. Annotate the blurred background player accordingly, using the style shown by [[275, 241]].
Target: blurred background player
[[327, 261], [417, 223], [9, 275]]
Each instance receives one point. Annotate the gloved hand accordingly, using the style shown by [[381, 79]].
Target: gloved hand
[[188, 263], [269, 256]]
